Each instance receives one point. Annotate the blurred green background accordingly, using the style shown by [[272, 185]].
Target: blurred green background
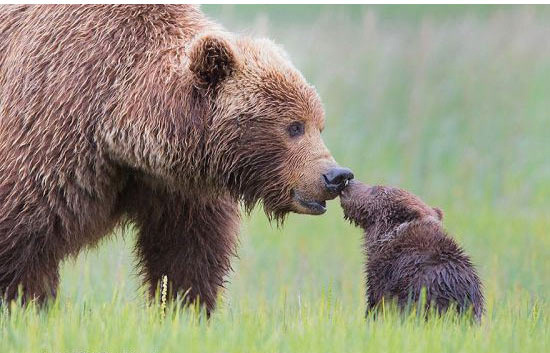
[[450, 102]]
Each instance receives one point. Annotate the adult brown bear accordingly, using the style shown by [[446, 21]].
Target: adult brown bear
[[155, 115]]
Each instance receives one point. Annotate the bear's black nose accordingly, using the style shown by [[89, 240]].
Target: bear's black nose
[[336, 179]]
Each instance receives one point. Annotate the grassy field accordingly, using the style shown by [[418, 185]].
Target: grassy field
[[452, 103]]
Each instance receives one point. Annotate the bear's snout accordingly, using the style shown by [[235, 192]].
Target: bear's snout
[[353, 190], [336, 179]]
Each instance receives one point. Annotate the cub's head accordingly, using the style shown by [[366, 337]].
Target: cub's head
[[266, 121], [383, 208]]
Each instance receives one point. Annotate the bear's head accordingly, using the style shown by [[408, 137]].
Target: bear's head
[[264, 141], [382, 209]]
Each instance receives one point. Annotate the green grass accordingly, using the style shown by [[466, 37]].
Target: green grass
[[449, 102]]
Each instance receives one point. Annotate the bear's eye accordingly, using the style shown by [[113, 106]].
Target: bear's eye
[[296, 129]]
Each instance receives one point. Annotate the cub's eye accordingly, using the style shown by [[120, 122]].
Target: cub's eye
[[296, 129]]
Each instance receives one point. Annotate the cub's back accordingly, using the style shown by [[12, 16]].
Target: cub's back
[[420, 256]]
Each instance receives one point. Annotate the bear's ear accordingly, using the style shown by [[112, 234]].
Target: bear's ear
[[438, 212], [212, 59]]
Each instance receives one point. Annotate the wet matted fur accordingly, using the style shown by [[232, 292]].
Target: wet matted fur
[[407, 250]]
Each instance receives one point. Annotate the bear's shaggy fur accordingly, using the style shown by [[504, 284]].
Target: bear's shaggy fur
[[152, 115], [408, 250]]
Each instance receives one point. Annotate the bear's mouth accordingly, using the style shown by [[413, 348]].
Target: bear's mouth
[[317, 207], [313, 207]]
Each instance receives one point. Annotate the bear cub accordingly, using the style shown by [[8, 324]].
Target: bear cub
[[408, 250]]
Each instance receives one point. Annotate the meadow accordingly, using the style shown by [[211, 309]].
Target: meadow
[[450, 102]]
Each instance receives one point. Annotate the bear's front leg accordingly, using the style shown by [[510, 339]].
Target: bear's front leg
[[189, 240]]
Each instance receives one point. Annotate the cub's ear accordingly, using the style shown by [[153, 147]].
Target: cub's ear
[[212, 59], [438, 212]]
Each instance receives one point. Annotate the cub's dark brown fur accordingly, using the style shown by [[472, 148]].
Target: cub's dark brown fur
[[407, 249]]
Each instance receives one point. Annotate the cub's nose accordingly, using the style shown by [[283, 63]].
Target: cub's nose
[[336, 179]]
